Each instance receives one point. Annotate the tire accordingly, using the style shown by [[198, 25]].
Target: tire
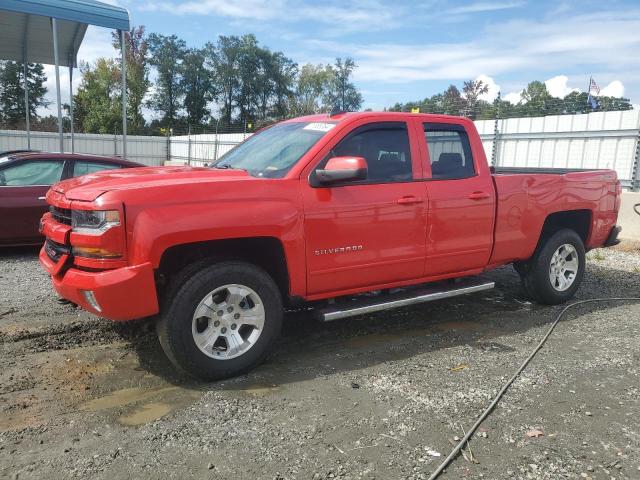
[[549, 281], [227, 345]]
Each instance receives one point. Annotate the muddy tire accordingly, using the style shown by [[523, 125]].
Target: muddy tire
[[556, 270], [220, 319]]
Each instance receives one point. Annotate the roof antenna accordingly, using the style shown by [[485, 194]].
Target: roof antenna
[[336, 110]]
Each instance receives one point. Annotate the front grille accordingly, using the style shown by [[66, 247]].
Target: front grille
[[61, 215], [55, 250]]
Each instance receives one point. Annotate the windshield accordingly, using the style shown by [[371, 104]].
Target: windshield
[[272, 152]]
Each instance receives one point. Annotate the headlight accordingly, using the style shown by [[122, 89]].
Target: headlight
[[94, 222]]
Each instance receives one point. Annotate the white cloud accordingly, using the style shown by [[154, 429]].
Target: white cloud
[[494, 88], [96, 44], [557, 86], [352, 16], [504, 48], [478, 7], [512, 97], [614, 89]]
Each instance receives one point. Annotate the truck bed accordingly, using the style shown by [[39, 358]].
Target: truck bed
[[527, 196]]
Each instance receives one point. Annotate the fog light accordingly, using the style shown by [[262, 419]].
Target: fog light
[[91, 298]]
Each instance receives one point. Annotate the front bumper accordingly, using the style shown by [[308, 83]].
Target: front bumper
[[121, 294], [613, 239]]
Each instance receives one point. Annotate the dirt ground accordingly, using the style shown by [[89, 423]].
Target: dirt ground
[[382, 396]]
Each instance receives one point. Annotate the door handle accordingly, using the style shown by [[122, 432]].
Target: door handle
[[42, 198], [479, 195], [409, 200]]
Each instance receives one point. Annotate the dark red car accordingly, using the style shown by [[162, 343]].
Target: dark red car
[[25, 178]]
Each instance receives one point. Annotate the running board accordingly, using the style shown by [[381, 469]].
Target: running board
[[430, 293]]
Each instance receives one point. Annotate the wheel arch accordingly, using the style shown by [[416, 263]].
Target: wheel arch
[[265, 252], [577, 220]]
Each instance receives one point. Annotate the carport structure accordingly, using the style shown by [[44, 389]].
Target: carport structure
[[51, 32]]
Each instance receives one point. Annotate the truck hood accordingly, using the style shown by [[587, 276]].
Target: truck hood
[[89, 187]]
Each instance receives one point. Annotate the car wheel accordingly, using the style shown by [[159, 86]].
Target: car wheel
[[556, 270], [221, 321]]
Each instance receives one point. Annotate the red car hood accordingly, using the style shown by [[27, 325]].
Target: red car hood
[[89, 187]]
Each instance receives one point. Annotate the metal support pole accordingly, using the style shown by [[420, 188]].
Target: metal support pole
[[635, 173], [54, 28], [496, 135], [73, 146], [189, 145], [25, 65], [215, 154], [124, 93]]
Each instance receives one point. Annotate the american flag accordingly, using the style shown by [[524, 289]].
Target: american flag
[[593, 87]]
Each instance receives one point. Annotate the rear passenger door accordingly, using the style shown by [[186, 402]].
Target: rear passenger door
[[461, 202]]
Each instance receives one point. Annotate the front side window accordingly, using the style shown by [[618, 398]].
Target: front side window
[[274, 151], [84, 168], [385, 147], [449, 152], [41, 172]]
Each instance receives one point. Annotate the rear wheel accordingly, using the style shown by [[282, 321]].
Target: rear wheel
[[556, 270], [222, 321]]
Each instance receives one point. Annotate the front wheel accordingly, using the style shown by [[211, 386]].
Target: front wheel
[[556, 270], [222, 321]]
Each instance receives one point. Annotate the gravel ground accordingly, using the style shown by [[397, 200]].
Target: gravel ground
[[381, 396]]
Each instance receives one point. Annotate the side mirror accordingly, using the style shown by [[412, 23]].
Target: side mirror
[[342, 169]]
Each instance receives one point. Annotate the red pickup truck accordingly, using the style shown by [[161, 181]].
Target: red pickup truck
[[314, 211]]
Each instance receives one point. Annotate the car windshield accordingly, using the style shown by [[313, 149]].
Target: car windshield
[[274, 151]]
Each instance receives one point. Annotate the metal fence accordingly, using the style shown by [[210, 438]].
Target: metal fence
[[199, 149], [143, 149], [593, 140]]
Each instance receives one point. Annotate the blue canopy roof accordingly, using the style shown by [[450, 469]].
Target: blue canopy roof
[[25, 27], [88, 12]]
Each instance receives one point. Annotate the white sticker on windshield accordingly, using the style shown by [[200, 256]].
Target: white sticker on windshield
[[320, 126]]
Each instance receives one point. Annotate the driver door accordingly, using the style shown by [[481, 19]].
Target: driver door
[[368, 232]]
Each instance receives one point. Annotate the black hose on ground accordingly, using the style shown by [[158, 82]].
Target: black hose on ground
[[494, 402]]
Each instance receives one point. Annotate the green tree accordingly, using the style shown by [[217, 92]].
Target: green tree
[[224, 59], [197, 85], [283, 72], [452, 101], [343, 93], [473, 89], [313, 86], [136, 48], [536, 101], [167, 56], [12, 108], [97, 104]]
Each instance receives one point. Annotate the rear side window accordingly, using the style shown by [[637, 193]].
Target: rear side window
[[449, 151], [83, 168], [41, 172], [385, 147]]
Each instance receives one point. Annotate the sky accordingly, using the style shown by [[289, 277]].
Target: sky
[[411, 50]]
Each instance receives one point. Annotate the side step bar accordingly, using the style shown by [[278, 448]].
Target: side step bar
[[413, 296]]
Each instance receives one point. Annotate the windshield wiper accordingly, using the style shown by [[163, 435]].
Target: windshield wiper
[[226, 166]]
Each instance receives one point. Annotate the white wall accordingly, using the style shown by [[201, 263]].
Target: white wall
[[594, 140], [205, 147], [143, 149]]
